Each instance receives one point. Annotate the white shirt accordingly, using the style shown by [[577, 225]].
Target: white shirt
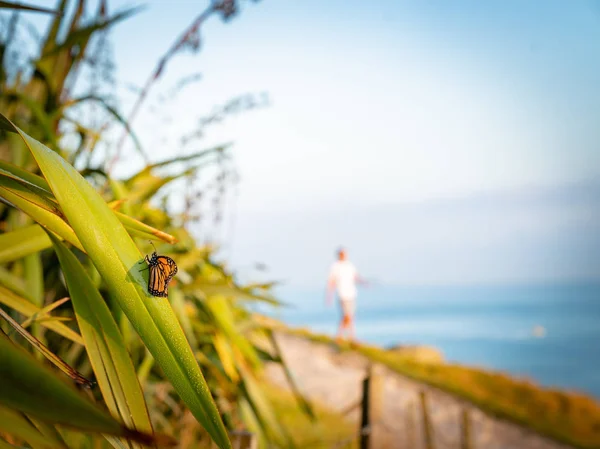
[[343, 273]]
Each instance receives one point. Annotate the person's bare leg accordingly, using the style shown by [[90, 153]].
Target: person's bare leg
[[351, 329], [340, 330], [347, 326], [342, 324]]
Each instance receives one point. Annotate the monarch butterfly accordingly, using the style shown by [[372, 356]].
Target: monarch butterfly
[[162, 269]]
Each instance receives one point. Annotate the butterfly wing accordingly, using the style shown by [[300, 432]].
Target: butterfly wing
[[167, 266], [162, 271], [156, 282]]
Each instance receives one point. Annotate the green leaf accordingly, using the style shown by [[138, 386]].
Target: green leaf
[[55, 25], [252, 422], [17, 244], [38, 209], [22, 7], [14, 423], [57, 361], [121, 193], [302, 402], [223, 316], [44, 313], [146, 187], [32, 388], [14, 284], [28, 309], [49, 431], [77, 36], [5, 445], [29, 194], [178, 304], [225, 354], [228, 289], [6, 124], [41, 118], [262, 408], [18, 174], [112, 111], [34, 278], [136, 227], [190, 157], [35, 189], [119, 262], [145, 367], [108, 355]]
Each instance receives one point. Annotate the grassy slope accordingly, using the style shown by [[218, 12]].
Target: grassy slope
[[571, 418], [328, 429]]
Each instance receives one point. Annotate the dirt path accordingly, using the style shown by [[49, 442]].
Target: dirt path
[[335, 380]]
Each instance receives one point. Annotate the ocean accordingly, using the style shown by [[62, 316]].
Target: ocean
[[485, 326]]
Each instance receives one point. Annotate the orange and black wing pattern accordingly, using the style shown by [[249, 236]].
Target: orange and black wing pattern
[[162, 270]]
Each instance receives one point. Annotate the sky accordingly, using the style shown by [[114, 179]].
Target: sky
[[440, 142]]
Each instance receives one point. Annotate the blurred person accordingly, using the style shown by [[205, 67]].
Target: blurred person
[[343, 278]]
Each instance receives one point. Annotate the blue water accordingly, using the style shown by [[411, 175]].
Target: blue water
[[485, 326]]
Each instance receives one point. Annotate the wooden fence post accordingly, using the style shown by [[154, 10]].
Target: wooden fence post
[[371, 432], [465, 441], [427, 429]]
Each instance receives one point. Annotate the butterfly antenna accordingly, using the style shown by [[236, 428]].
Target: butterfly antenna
[[152, 245]]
